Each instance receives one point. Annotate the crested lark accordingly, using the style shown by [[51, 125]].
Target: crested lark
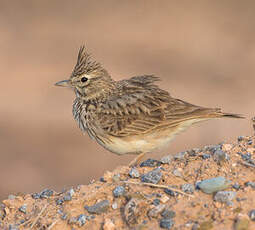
[[132, 116]]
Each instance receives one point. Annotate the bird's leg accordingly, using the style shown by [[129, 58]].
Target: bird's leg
[[137, 160]]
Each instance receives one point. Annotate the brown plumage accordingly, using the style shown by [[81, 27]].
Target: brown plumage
[[129, 116]]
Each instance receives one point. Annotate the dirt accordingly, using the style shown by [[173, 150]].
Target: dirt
[[136, 205]]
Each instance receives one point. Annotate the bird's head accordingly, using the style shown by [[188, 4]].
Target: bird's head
[[88, 79]]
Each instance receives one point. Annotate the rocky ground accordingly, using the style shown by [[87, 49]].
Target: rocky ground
[[200, 189]]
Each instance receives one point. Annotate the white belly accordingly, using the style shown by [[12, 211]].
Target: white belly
[[145, 143]]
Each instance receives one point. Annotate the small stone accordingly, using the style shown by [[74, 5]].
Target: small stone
[[249, 142], [150, 163], [115, 205], [168, 214], [252, 214], [246, 157], [108, 225], [166, 159], [118, 191], [180, 155], [154, 212], [102, 179], [59, 201], [220, 156], [64, 216], [46, 193], [236, 186], [213, 184], [171, 192], [69, 195], [206, 156], [240, 138], [177, 172], [166, 223], [81, 220], [250, 184], [134, 173], [153, 176], [116, 177], [241, 224], [224, 196], [164, 199], [156, 202], [23, 208], [99, 207], [213, 148], [36, 196], [188, 188]]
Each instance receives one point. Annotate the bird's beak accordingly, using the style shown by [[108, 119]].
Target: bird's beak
[[64, 83]]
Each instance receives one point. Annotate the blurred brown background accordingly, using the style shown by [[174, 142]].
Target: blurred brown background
[[204, 51]]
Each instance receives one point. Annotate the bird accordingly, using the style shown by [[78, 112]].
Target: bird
[[130, 116]]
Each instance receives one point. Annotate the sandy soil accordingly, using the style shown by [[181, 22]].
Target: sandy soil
[[125, 201]]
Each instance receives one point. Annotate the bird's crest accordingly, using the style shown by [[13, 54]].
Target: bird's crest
[[85, 64]]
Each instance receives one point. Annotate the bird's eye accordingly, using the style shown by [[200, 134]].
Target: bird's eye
[[84, 79]]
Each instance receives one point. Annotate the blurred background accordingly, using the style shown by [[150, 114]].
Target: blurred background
[[203, 51]]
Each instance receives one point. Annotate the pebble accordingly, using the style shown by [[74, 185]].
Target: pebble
[[168, 214], [134, 173], [213, 184], [153, 176], [118, 191], [180, 155], [156, 202], [23, 208], [115, 205], [236, 186], [46, 193], [220, 156], [252, 214], [154, 212], [206, 156], [177, 172], [213, 148], [64, 216], [224, 196], [240, 138], [188, 188], [166, 159], [171, 192], [250, 184], [150, 163], [59, 201], [81, 220], [36, 196], [245, 157], [166, 223], [69, 195], [116, 177], [99, 207]]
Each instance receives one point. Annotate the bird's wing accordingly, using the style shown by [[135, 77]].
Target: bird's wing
[[140, 108]]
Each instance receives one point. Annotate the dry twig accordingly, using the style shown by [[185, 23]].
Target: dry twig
[[39, 215], [158, 186]]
